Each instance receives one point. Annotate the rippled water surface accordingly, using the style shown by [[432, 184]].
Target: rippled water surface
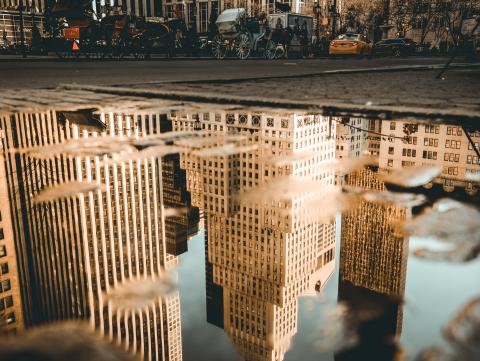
[[238, 234]]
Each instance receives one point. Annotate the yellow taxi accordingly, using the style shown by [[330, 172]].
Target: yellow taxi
[[350, 44]]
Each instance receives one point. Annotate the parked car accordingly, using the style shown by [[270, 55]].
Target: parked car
[[350, 44], [395, 47]]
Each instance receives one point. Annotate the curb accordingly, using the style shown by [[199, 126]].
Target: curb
[[469, 119], [385, 69], [52, 59]]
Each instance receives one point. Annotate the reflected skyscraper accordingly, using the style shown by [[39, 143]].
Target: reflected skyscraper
[[72, 251], [11, 311], [261, 257], [179, 228], [373, 256], [373, 264]]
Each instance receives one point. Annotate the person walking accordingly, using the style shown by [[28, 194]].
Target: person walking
[[36, 39], [304, 39]]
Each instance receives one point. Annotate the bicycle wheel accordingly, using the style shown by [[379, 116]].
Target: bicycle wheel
[[243, 46], [270, 50], [219, 48]]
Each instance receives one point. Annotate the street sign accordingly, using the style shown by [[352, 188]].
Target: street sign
[[71, 33], [75, 46]]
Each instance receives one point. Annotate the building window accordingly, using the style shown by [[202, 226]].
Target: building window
[[390, 163], [6, 286], [429, 154], [203, 17], [390, 150], [10, 318], [470, 146], [392, 125], [242, 118], [191, 13], [432, 129], [230, 118], [3, 251], [8, 301], [430, 142], [409, 152], [472, 159], [4, 268], [169, 11], [450, 170]]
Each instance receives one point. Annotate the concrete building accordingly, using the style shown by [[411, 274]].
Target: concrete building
[[434, 144], [262, 256], [71, 251], [352, 137], [180, 228], [11, 309], [372, 275], [373, 257]]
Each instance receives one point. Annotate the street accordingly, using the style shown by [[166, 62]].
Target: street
[[49, 73]]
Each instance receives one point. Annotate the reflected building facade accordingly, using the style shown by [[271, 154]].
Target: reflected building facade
[[179, 228], [372, 273], [72, 251], [373, 257], [437, 144], [11, 310], [261, 257]]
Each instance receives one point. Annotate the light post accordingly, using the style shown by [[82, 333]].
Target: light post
[[386, 17], [22, 35], [333, 11], [194, 3], [316, 10]]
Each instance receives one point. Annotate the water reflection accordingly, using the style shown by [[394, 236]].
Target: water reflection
[[73, 252], [63, 258], [261, 258], [373, 265]]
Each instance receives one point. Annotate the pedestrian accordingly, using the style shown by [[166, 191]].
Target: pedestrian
[[191, 41], [36, 38], [212, 26], [279, 24], [304, 39], [296, 29]]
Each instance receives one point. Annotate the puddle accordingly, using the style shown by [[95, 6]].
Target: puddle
[[198, 233]]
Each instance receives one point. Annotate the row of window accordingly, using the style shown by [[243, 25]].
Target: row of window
[[6, 302], [448, 157], [5, 286]]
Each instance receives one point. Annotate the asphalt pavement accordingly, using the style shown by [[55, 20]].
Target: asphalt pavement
[[49, 72]]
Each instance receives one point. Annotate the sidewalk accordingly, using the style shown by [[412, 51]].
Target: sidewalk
[[398, 94]]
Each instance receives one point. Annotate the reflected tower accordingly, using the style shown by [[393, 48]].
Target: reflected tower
[[373, 257], [11, 310], [261, 257], [79, 248]]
